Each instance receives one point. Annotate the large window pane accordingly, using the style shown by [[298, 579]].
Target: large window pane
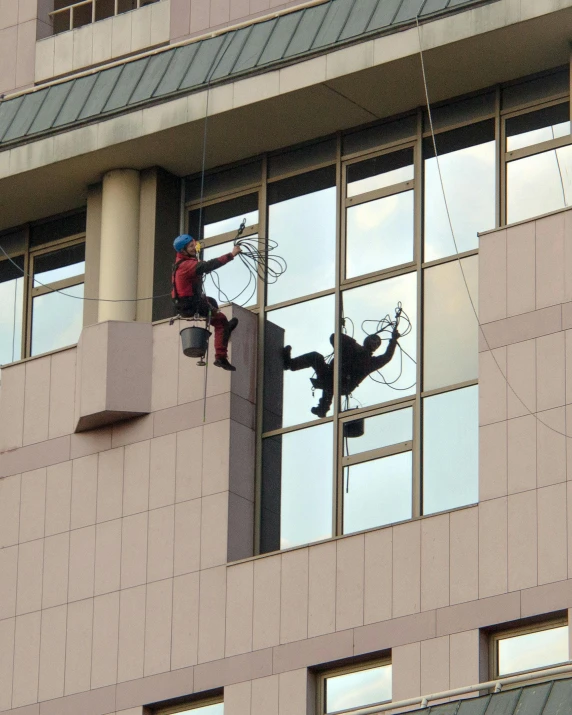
[[540, 649], [297, 488], [58, 265], [57, 320], [11, 303], [302, 221], [539, 184], [536, 127], [359, 689], [379, 234], [450, 344], [380, 172], [377, 492], [364, 309], [381, 431], [233, 283], [307, 328], [214, 709], [450, 450], [467, 162], [224, 217]]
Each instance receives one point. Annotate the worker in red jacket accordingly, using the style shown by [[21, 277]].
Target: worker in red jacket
[[189, 298]]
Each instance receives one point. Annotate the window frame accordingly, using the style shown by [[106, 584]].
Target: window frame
[[322, 677], [522, 630], [195, 704]]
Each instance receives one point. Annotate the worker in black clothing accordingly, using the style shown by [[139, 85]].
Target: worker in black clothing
[[358, 361]]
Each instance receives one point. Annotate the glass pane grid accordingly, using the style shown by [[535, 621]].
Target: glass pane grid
[[529, 651]]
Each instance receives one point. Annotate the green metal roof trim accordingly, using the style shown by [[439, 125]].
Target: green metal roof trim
[[197, 64], [552, 698]]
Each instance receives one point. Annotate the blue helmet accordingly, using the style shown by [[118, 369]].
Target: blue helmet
[[181, 241]]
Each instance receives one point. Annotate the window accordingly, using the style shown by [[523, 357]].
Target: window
[[70, 14], [351, 688], [42, 287], [530, 648], [210, 706]]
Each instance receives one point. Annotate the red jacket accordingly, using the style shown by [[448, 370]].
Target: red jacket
[[188, 273]]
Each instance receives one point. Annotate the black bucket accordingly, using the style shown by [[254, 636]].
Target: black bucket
[[355, 428], [194, 341]]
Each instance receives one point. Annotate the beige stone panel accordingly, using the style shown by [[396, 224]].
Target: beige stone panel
[[56, 567], [239, 605], [134, 550], [266, 608], [63, 53], [165, 366], [8, 46], [155, 119], [521, 437], [6, 661], [242, 464], [219, 12], [550, 260], [216, 457], [30, 568], [12, 402], [34, 456], [481, 613], [492, 461], [180, 19], [58, 498], [303, 74], [107, 557], [8, 581], [378, 575], [26, 53], [435, 562], [121, 35], [26, 660], [256, 89], [105, 640], [131, 431], [187, 537], [136, 478], [82, 564], [350, 582], [237, 699], [90, 442], [521, 375], [551, 447], [265, 692], [552, 534], [310, 652], [199, 15], [568, 365], [214, 530], [9, 510], [435, 665], [520, 269], [84, 491], [191, 377], [212, 614], [492, 276], [493, 547], [550, 371], [160, 22], [406, 569], [546, 599], [141, 29], [110, 485], [158, 624], [8, 13], [52, 653], [28, 10], [82, 47], [321, 589], [569, 513], [522, 541], [464, 659], [161, 543], [292, 692], [162, 471], [32, 505], [567, 256], [464, 545], [131, 634], [492, 387], [189, 464], [184, 647], [406, 671], [37, 400], [62, 392], [294, 596], [101, 40], [78, 646]]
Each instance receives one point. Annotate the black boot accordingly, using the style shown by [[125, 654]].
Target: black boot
[[287, 356], [229, 327], [224, 364]]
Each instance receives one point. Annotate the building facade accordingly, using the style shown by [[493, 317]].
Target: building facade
[[341, 532]]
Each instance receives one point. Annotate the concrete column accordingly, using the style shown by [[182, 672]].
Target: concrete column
[[118, 265]]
